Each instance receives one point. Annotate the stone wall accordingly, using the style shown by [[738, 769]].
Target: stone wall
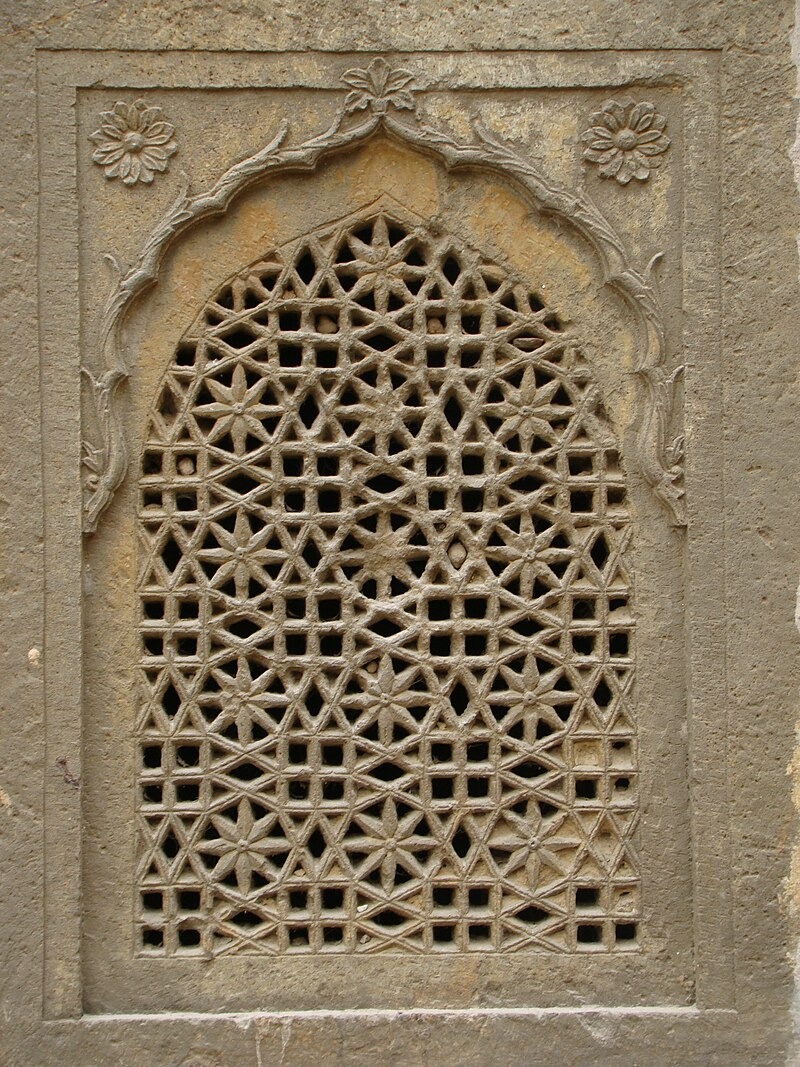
[[675, 287]]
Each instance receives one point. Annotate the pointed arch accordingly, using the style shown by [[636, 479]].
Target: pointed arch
[[660, 449]]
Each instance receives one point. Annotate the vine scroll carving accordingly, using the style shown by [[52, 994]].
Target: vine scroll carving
[[382, 98]]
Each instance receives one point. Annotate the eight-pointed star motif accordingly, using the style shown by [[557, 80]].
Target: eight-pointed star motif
[[525, 560], [531, 693], [381, 267], [531, 415], [243, 845], [386, 698], [240, 555], [237, 409], [390, 841], [245, 700], [386, 550]]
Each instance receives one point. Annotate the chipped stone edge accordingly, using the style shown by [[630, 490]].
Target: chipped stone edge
[[791, 885], [660, 457]]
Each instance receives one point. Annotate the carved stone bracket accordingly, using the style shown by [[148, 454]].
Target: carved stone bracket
[[378, 94]]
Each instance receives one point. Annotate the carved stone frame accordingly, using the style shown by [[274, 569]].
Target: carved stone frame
[[60, 78]]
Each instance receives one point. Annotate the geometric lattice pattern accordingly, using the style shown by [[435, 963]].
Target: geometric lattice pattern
[[386, 676]]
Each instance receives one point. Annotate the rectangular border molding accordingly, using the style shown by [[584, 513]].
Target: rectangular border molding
[[60, 75]]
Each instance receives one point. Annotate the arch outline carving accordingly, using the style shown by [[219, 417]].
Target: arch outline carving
[[378, 97]]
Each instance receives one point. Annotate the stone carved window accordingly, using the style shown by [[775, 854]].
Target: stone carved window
[[387, 648]]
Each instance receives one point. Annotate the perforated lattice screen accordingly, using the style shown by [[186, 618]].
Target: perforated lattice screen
[[387, 648]]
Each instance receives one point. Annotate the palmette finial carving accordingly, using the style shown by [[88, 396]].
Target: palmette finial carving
[[379, 87], [382, 97], [133, 142], [626, 140]]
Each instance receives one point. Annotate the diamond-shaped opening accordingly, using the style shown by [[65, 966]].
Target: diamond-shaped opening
[[240, 482], [316, 843], [311, 554], [600, 551], [529, 768], [305, 266], [461, 842], [453, 411], [246, 919], [242, 628], [531, 914], [246, 772], [387, 772], [602, 695], [388, 917], [459, 698], [380, 340], [451, 269], [384, 483], [308, 411], [171, 554], [313, 700], [241, 336]]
